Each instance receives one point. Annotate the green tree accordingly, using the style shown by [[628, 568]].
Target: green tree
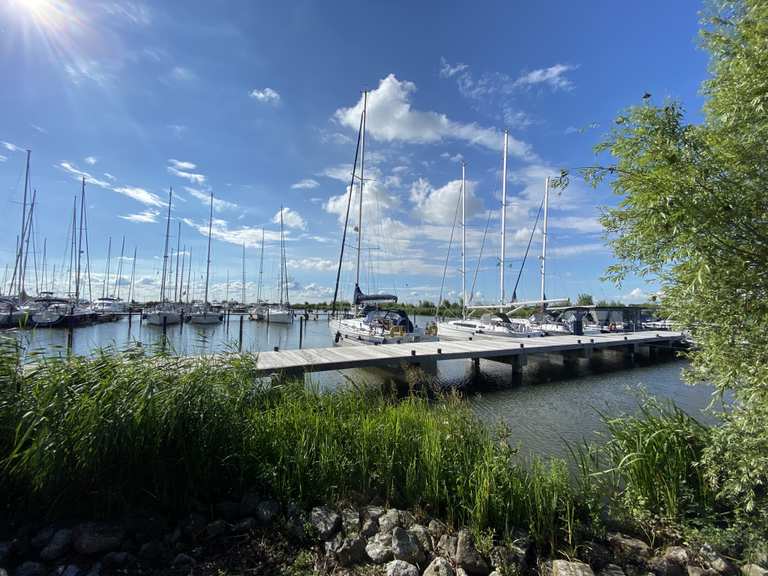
[[584, 300], [694, 200]]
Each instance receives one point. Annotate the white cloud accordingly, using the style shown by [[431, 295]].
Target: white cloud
[[635, 296], [248, 235], [11, 147], [178, 129], [110, 176], [306, 184], [148, 216], [449, 71], [181, 74], [132, 12], [3, 158], [392, 118], [291, 219], [181, 164], [377, 200], [438, 205], [313, 263], [90, 160], [335, 138], [266, 96], [586, 224], [192, 177], [554, 77], [39, 129], [140, 194], [219, 205]]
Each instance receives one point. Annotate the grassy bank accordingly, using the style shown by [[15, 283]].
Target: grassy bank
[[121, 432]]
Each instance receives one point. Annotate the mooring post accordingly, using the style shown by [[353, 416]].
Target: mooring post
[[70, 339], [517, 363], [301, 331], [240, 339], [475, 368]]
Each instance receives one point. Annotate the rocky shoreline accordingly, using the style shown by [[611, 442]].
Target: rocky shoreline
[[258, 536]]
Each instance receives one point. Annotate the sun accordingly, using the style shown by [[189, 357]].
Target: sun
[[44, 14]]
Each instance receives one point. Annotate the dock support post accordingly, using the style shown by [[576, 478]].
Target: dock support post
[[301, 331], [630, 352], [517, 363], [475, 368], [571, 360], [240, 338]]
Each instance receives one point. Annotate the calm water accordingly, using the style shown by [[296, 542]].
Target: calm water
[[551, 405]]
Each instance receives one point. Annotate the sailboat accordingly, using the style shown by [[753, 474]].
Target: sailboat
[[281, 313], [204, 314], [494, 322], [164, 313], [368, 323], [259, 311]]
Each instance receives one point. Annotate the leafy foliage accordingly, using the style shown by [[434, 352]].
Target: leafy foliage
[[693, 213]]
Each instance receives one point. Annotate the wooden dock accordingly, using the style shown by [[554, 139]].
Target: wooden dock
[[514, 351]]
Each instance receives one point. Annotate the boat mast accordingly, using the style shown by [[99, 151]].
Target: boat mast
[[87, 248], [104, 292], [261, 268], [133, 276], [503, 218], [208, 262], [72, 247], [26, 248], [362, 183], [20, 249], [44, 279], [165, 247], [544, 243], [116, 290], [189, 273], [463, 243], [183, 263], [176, 276], [79, 245], [243, 291], [282, 269]]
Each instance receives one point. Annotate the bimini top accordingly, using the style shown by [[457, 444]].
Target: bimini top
[[360, 297]]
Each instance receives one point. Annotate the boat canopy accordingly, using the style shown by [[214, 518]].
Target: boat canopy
[[360, 297]]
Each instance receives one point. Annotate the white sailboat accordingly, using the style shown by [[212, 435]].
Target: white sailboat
[[165, 313], [204, 314], [281, 313], [368, 323], [259, 311], [494, 323]]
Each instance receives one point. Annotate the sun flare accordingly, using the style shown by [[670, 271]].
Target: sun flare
[[45, 14]]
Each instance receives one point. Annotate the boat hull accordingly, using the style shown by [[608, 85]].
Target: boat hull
[[206, 318], [459, 330], [353, 332], [159, 318], [280, 316]]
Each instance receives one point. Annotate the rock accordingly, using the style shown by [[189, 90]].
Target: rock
[[3, 572], [350, 520], [661, 566], [753, 570], [379, 548], [119, 560], [228, 510], [152, 552], [389, 520], [294, 525], [468, 556], [677, 555], [57, 546], [30, 569], [699, 571], [508, 558], [446, 546], [5, 552], [183, 560], [351, 551], [628, 550], [325, 521], [42, 537], [94, 538], [267, 511], [69, 570], [193, 526], [461, 572], [248, 504], [373, 512], [401, 568], [216, 529], [95, 570], [566, 568], [723, 566], [405, 546], [422, 535], [439, 567], [436, 529], [370, 527], [245, 525], [611, 570]]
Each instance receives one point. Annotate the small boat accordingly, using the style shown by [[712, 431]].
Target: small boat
[[164, 313], [368, 323], [204, 314], [258, 312], [279, 314], [489, 325], [109, 309]]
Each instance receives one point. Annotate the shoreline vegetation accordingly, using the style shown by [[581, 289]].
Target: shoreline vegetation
[[103, 437]]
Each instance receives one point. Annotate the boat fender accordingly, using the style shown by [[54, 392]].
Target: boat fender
[[337, 337]]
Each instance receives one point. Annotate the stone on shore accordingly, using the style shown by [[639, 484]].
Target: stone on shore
[[405, 546], [439, 567], [401, 568], [57, 546], [468, 556], [325, 521], [94, 538]]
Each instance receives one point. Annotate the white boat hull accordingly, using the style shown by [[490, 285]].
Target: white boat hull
[[206, 317], [280, 316], [466, 330], [355, 332], [159, 318]]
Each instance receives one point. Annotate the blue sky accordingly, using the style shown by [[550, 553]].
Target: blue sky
[[259, 102]]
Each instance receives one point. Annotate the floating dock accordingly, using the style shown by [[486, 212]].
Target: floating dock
[[513, 351]]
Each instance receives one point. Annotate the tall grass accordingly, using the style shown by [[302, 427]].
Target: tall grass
[[123, 430]]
